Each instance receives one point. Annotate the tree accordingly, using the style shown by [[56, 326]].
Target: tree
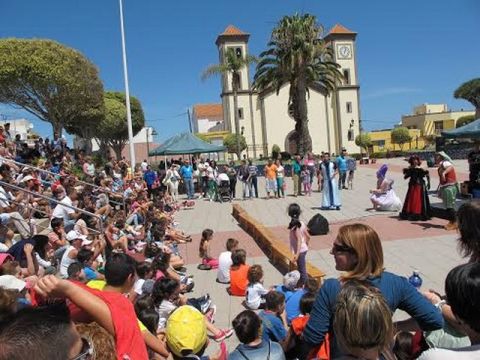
[[232, 65], [231, 142], [298, 55], [464, 120], [470, 91], [112, 131], [364, 141], [55, 83], [275, 151], [400, 135]]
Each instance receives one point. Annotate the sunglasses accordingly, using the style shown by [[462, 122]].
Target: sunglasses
[[86, 353], [336, 248]]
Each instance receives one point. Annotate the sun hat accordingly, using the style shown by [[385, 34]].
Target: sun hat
[[290, 280], [28, 178], [186, 330], [73, 235], [10, 282], [444, 155]]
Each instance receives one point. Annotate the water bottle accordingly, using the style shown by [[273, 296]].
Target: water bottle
[[415, 280]]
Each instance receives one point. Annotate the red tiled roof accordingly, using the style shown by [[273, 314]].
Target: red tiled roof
[[206, 111], [340, 29], [232, 31]]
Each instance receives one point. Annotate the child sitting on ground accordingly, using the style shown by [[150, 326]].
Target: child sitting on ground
[[225, 262], [204, 250], [274, 321], [255, 291], [299, 323], [238, 273]]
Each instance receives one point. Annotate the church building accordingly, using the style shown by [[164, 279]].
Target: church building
[[264, 117]]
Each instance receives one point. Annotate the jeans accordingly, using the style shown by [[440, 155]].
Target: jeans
[[204, 185], [233, 185], [189, 187], [136, 219], [255, 185], [302, 267], [341, 179]]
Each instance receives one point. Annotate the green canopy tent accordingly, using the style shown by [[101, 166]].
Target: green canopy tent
[[185, 143], [471, 130]]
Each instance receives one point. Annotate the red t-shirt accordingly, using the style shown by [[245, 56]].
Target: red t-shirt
[[239, 280], [129, 342]]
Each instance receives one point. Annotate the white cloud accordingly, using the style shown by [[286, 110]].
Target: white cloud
[[390, 91]]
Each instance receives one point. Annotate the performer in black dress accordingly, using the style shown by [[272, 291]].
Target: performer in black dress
[[417, 204]]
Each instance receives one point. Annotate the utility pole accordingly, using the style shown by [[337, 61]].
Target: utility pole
[[127, 91], [189, 120]]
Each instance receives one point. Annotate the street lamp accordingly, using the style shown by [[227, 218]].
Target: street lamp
[[154, 133], [127, 91]]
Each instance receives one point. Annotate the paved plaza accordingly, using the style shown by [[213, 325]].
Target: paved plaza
[[422, 245]]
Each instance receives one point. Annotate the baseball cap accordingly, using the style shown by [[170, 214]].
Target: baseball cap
[[4, 218], [186, 330], [290, 280], [147, 286], [10, 282], [4, 257], [72, 235]]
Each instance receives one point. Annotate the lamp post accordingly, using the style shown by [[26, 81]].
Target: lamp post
[[127, 91], [148, 128]]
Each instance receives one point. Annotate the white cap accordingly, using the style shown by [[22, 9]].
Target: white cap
[[10, 282], [73, 235], [27, 178]]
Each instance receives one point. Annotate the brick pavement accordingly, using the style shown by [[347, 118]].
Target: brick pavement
[[407, 245]]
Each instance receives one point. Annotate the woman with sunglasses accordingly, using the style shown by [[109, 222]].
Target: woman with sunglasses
[[358, 254]]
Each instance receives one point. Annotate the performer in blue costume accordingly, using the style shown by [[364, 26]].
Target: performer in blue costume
[[331, 198]]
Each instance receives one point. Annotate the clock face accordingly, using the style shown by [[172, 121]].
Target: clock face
[[344, 51]]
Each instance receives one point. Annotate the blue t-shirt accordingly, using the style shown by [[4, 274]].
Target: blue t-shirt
[[186, 171], [292, 301], [272, 327], [150, 177], [262, 351], [90, 274], [342, 163]]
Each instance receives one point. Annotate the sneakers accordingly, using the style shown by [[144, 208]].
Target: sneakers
[[211, 311], [222, 335]]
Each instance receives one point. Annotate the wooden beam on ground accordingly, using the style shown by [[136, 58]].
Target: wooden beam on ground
[[276, 250]]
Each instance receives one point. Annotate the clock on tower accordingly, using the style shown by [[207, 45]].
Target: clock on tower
[[344, 51]]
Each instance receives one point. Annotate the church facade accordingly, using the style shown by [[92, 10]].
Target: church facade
[[264, 117]]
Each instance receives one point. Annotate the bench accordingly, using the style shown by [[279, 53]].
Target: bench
[[276, 250]]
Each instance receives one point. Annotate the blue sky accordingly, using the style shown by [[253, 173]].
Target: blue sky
[[408, 52]]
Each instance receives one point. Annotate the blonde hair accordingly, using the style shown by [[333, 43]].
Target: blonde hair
[[364, 241], [363, 320]]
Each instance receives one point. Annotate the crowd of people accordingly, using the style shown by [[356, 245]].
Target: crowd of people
[[90, 266]]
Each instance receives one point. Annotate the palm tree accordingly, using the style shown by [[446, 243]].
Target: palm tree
[[232, 64], [298, 55]]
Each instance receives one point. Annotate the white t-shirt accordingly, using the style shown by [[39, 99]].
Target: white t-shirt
[[144, 166], [254, 295], [4, 198], [164, 311], [468, 353], [66, 261], [61, 211], [138, 286], [224, 263]]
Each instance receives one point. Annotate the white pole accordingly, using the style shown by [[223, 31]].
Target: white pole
[[127, 92]]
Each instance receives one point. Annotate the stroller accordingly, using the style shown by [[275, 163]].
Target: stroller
[[223, 188]]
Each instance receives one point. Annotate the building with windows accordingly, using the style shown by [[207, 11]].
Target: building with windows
[[432, 119], [382, 141], [264, 117]]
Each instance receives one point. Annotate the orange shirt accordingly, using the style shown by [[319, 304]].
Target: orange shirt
[[238, 280], [299, 323], [271, 171]]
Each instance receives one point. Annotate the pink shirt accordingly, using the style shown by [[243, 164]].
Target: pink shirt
[[293, 238]]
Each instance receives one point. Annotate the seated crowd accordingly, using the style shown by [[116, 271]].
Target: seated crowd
[[106, 280]]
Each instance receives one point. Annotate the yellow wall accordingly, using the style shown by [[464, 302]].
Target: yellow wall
[[385, 136], [426, 122]]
